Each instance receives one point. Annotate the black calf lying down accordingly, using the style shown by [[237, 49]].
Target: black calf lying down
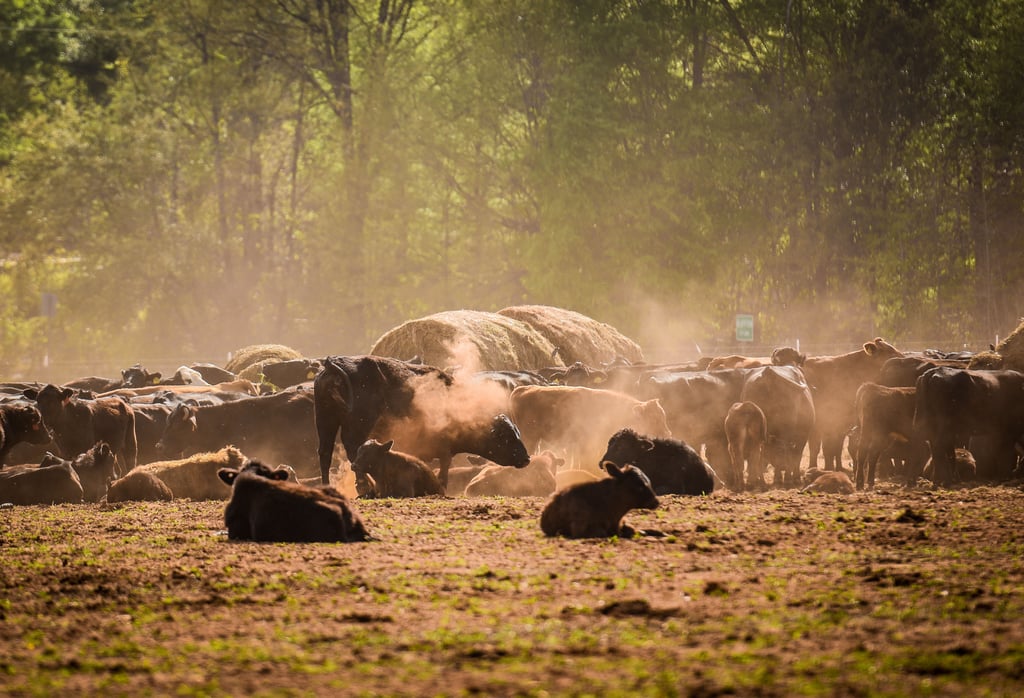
[[265, 507], [595, 509]]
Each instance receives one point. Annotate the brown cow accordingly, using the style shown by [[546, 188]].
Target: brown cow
[[77, 424], [885, 423], [139, 486], [382, 472], [834, 381], [747, 431], [582, 419], [832, 482]]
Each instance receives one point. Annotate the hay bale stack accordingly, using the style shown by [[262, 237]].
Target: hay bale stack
[[578, 337], [472, 339], [253, 354]]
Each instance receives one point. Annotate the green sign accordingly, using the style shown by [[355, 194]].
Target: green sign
[[744, 328]]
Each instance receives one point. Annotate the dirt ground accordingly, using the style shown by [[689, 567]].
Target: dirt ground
[[893, 592]]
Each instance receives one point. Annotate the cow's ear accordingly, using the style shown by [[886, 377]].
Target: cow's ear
[[612, 469], [279, 474], [30, 393], [192, 422], [388, 445], [227, 476], [154, 378], [647, 444], [869, 348], [67, 394]]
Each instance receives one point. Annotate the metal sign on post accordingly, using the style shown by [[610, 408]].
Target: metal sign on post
[[744, 328]]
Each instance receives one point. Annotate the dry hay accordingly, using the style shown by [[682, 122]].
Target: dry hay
[[472, 339], [578, 337], [985, 361], [247, 356], [1012, 349]]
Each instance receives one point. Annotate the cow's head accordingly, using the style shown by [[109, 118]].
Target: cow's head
[[504, 445], [280, 474]]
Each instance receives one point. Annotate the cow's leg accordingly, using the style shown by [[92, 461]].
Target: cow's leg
[[327, 429], [445, 462]]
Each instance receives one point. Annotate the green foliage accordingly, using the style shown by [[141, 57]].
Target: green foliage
[[209, 175]]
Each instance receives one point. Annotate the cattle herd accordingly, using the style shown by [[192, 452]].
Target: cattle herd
[[598, 441]]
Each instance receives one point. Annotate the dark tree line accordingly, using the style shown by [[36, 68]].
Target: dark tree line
[[191, 177]]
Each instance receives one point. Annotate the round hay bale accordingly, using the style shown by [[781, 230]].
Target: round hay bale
[[472, 339], [247, 356], [578, 337]]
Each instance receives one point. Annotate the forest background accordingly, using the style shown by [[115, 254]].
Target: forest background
[[180, 179]]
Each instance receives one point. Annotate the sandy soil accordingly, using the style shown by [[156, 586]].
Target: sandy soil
[[893, 592]]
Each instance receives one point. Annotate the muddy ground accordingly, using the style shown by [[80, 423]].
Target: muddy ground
[[894, 592]]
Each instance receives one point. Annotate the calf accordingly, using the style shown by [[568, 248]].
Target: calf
[[595, 509], [139, 486], [381, 472], [95, 469], [50, 484], [831, 482], [20, 422], [747, 431], [266, 508], [672, 466], [196, 477], [77, 424], [535, 480]]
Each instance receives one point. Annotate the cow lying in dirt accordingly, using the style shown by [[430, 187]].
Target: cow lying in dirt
[[595, 509], [196, 477], [382, 472], [139, 486], [672, 466], [265, 507], [831, 482], [95, 469], [46, 484], [535, 480]]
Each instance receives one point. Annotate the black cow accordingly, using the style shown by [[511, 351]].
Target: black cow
[[277, 428], [77, 424], [595, 509], [352, 393], [265, 507], [20, 422], [785, 398], [953, 405], [903, 371], [672, 466], [696, 404]]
